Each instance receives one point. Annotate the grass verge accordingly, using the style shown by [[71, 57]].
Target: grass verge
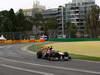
[[37, 46], [83, 57]]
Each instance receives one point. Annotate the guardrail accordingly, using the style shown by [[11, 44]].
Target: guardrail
[[20, 41]]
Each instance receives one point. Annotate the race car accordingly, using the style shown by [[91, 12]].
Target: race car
[[53, 55]]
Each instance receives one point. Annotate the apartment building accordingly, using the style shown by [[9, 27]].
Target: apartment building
[[76, 13], [81, 1], [27, 12], [35, 9], [59, 15]]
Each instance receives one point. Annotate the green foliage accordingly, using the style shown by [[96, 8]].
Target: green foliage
[[12, 18], [45, 24], [20, 21], [51, 23], [4, 21], [71, 28], [14, 22], [11, 22], [38, 20], [92, 22]]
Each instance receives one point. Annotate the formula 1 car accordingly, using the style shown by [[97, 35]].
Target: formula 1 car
[[53, 55]]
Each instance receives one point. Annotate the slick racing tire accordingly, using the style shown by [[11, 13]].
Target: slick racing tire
[[39, 54]]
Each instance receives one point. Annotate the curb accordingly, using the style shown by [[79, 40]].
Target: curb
[[26, 49]]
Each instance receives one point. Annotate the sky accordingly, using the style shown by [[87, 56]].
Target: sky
[[25, 4]]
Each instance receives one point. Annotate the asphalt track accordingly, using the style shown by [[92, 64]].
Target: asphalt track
[[15, 60]]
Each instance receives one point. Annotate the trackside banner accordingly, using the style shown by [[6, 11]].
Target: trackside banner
[[21, 41]]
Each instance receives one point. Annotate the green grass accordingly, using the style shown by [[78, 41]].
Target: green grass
[[83, 48], [83, 57], [36, 47]]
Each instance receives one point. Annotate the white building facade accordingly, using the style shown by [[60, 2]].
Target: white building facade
[[76, 13]]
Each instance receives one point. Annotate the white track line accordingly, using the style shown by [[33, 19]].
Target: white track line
[[54, 67], [23, 69]]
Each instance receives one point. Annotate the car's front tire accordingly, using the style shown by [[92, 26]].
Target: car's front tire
[[39, 54]]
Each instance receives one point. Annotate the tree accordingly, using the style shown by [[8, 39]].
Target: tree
[[44, 24], [12, 23], [49, 24], [38, 21], [51, 27], [23, 23], [71, 28], [92, 22], [4, 21], [12, 18], [20, 21], [28, 24], [7, 21]]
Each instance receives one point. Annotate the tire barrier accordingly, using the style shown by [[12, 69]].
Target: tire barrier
[[20, 41]]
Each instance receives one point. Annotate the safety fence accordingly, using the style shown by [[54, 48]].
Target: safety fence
[[20, 41], [74, 39]]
